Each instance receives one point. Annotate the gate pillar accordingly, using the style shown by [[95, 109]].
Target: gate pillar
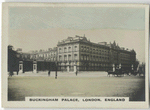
[[113, 67], [20, 66], [34, 67]]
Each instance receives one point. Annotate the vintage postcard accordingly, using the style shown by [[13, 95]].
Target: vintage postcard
[[75, 55]]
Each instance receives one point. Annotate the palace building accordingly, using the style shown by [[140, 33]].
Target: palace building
[[78, 53]]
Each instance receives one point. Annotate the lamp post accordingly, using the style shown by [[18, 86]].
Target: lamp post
[[56, 66], [56, 71]]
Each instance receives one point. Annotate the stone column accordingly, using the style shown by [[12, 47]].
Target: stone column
[[34, 67], [113, 67]]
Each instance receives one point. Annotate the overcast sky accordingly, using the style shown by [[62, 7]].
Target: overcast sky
[[77, 18], [41, 28]]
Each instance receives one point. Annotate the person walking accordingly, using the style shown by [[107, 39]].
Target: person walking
[[56, 72], [76, 72], [11, 71], [49, 72]]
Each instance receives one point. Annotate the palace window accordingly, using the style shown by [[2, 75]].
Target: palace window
[[75, 56], [87, 49], [82, 48], [69, 49], [60, 58], [84, 57], [69, 57], [75, 48], [81, 57], [93, 58], [96, 50], [65, 57], [87, 57], [65, 49], [59, 50]]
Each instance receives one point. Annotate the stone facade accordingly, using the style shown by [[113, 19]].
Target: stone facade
[[78, 53], [41, 55], [89, 56]]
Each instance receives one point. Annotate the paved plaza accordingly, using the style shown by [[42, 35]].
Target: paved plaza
[[65, 74], [85, 84]]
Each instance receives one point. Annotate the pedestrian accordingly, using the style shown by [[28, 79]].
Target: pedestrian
[[11, 73], [76, 72], [49, 72], [56, 73]]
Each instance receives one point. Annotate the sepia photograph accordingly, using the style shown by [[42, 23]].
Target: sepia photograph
[[75, 55]]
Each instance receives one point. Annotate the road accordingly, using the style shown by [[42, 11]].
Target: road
[[84, 85]]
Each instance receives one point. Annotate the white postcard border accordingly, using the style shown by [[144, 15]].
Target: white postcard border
[[17, 104]]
